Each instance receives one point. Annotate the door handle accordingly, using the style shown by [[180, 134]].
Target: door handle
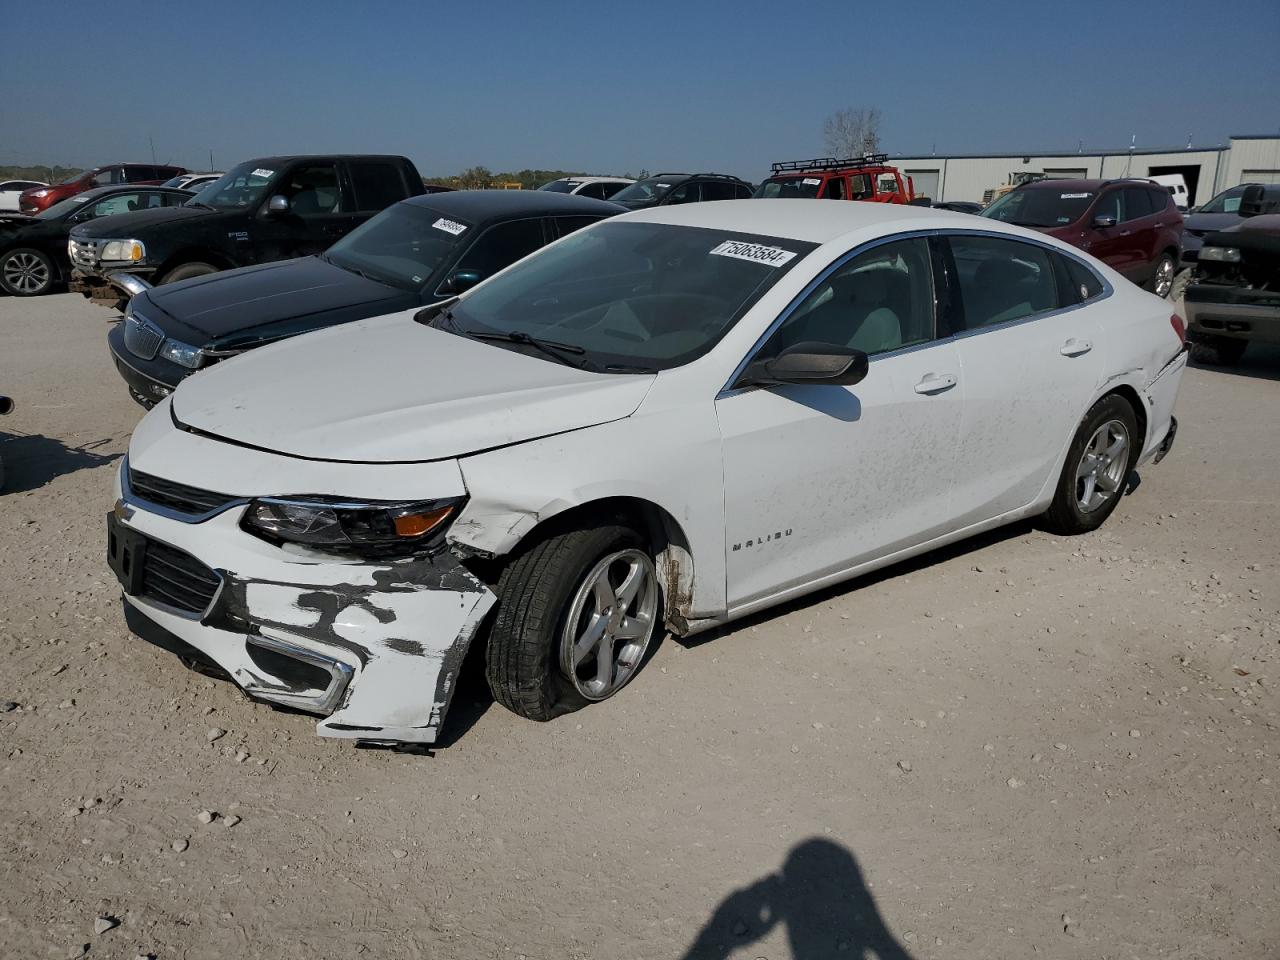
[[936, 383], [1075, 348]]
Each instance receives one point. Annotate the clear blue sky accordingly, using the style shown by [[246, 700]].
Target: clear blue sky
[[610, 87]]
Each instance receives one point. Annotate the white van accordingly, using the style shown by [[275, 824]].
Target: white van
[[1176, 186]]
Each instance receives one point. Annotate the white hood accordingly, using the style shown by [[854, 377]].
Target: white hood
[[388, 389]]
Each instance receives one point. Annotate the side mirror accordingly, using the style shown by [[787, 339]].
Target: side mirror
[[809, 363], [1104, 220], [278, 204], [1253, 201], [460, 281]]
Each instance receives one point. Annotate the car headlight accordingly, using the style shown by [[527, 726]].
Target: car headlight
[[365, 528], [41, 193], [182, 353], [1224, 254], [131, 251]]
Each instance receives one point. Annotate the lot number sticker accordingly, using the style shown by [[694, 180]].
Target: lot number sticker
[[1073, 196], [263, 173], [450, 226], [755, 252], [811, 181]]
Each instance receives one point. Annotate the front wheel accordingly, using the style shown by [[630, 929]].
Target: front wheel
[[1097, 465], [188, 270], [26, 272], [576, 614]]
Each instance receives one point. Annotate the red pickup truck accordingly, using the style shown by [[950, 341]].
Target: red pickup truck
[[866, 178]]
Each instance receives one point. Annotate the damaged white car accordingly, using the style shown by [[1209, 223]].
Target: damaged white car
[[664, 421]]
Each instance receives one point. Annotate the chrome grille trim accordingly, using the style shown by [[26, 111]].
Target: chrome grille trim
[[83, 253], [142, 338], [177, 501]]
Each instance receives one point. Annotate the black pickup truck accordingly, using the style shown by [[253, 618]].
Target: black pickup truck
[[273, 208]]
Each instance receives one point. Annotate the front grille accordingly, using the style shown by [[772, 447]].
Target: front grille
[[177, 496], [141, 337], [177, 579], [83, 253]]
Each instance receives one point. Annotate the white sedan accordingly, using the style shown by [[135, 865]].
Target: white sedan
[[11, 190], [668, 420]]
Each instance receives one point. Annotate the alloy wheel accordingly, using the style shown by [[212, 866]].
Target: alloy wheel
[[1101, 471], [26, 273], [610, 623], [1164, 277]]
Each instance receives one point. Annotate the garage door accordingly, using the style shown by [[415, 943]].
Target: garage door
[[1065, 173], [1260, 176], [925, 181]]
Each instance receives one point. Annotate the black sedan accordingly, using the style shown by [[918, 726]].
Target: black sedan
[[414, 253], [33, 249]]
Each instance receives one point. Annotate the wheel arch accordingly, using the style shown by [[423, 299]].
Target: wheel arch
[[672, 552], [194, 255], [1131, 396]]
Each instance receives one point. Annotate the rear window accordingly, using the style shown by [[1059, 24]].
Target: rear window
[[377, 185], [1137, 203], [790, 187]]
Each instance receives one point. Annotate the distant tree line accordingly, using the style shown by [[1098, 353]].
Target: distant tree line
[[479, 178], [47, 174]]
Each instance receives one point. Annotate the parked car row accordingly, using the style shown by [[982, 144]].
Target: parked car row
[[41, 197]]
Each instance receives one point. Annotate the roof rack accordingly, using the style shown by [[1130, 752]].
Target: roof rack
[[713, 176], [831, 163]]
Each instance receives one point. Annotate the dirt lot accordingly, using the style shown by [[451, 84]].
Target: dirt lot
[[1027, 746]]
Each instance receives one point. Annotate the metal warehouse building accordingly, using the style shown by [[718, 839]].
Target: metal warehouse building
[[1207, 170]]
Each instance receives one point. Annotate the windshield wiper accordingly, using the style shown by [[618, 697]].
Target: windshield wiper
[[552, 348]]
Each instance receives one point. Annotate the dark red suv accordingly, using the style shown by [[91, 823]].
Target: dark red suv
[[1130, 225], [41, 198]]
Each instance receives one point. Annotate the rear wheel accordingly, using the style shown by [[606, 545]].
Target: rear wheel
[[26, 272], [576, 614], [188, 270], [1097, 465], [1218, 351]]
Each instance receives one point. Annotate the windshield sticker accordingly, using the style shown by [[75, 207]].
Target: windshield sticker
[[811, 181], [81, 198], [265, 174], [1074, 196], [755, 252], [450, 226]]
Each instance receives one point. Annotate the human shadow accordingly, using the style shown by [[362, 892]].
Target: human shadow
[[31, 460], [818, 895]]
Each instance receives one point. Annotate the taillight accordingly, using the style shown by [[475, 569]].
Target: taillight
[[1179, 327]]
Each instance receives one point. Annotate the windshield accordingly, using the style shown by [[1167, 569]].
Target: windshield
[[242, 186], [630, 296], [1039, 207], [75, 176], [560, 186], [787, 187], [403, 246], [177, 181], [64, 207], [1228, 201], [654, 188]]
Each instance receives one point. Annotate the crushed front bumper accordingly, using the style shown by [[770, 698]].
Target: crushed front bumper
[[103, 290], [1218, 310], [375, 648]]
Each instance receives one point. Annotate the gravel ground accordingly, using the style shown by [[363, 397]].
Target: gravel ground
[[1023, 746]]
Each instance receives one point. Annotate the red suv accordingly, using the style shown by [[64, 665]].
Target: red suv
[[41, 198], [857, 178], [1130, 225]]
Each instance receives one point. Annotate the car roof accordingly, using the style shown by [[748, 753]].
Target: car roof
[[592, 179], [814, 221], [290, 158], [478, 206], [1050, 183], [95, 192]]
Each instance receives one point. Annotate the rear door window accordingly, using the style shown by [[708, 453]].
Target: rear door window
[[1002, 280], [563, 226], [593, 190], [1160, 199], [139, 174], [1137, 203], [377, 185], [687, 192], [717, 190]]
